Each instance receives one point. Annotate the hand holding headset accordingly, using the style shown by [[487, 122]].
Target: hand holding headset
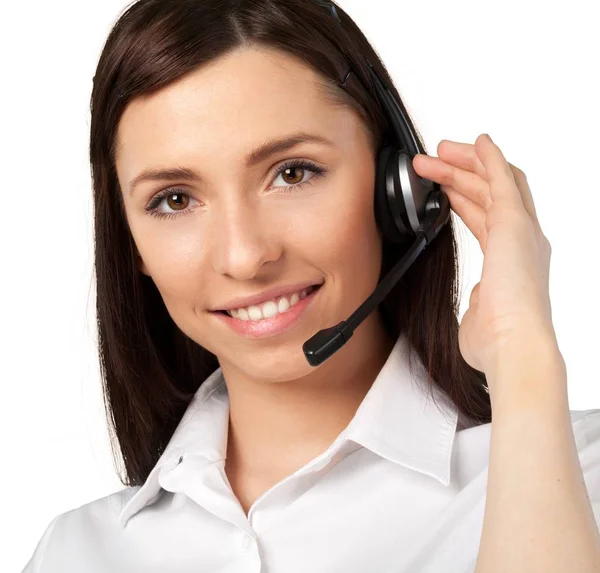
[[406, 206]]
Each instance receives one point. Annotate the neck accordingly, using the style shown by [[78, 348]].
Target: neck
[[283, 425]]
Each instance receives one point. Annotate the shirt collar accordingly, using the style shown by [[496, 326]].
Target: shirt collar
[[404, 418]]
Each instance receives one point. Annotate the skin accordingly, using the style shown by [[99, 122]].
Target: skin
[[538, 514], [242, 234], [247, 237]]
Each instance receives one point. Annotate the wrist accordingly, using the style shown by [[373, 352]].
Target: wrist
[[532, 342], [527, 367]]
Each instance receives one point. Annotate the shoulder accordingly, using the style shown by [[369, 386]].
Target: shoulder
[[73, 531], [99, 513]]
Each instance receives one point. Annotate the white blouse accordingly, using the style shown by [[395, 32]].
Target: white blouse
[[402, 489]]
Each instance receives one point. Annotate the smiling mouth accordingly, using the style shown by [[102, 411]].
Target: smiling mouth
[[309, 290]]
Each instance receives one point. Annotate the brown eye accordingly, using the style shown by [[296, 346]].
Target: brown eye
[[297, 174], [293, 172], [171, 203], [180, 201]]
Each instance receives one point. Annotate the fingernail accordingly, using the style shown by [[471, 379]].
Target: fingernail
[[488, 136]]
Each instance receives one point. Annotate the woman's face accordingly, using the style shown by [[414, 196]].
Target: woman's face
[[230, 228]]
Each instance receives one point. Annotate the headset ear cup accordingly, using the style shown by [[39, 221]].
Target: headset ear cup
[[383, 214]]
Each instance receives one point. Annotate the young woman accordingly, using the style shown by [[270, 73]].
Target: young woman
[[235, 148]]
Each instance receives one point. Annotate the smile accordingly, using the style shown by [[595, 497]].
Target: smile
[[270, 318]]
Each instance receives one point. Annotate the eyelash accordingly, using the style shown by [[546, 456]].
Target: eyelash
[[152, 208]]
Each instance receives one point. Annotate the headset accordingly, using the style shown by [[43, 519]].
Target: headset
[[407, 206]]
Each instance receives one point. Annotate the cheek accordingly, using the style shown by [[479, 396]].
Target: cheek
[[360, 244], [172, 258], [348, 235]]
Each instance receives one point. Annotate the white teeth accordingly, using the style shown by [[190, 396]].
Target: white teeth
[[283, 304], [254, 313], [270, 308]]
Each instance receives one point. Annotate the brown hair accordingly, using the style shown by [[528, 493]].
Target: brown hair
[[150, 370]]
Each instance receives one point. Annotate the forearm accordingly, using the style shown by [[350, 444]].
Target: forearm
[[538, 517]]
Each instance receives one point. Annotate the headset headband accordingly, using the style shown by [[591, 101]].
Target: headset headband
[[397, 120]]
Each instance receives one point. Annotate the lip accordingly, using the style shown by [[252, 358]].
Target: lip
[[269, 327], [243, 302]]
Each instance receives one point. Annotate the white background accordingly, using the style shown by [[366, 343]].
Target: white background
[[524, 71]]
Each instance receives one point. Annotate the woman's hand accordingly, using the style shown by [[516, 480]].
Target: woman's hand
[[510, 307]]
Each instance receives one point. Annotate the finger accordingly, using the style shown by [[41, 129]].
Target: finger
[[466, 182], [503, 187], [461, 155], [473, 216], [464, 156], [526, 196]]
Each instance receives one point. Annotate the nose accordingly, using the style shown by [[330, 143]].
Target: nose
[[244, 242]]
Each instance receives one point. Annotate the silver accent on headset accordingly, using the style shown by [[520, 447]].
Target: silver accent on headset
[[406, 184], [391, 196]]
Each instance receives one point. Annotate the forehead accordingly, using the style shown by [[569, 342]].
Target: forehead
[[229, 104]]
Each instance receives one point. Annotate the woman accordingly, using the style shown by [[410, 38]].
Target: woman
[[238, 454]]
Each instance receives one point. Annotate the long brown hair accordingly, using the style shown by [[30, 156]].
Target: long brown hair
[[150, 370]]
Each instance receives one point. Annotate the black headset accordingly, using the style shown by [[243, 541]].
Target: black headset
[[407, 206]]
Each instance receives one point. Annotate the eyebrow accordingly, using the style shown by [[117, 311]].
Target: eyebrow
[[256, 156]]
